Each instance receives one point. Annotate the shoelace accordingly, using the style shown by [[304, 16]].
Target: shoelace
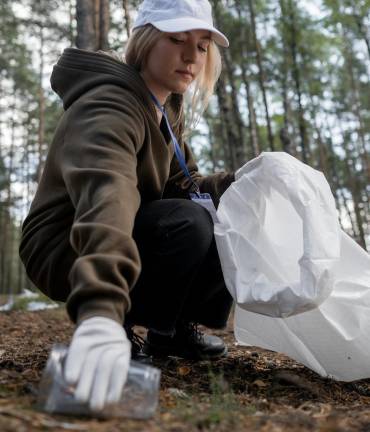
[[193, 331], [137, 342]]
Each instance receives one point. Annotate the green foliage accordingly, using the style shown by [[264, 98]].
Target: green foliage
[[23, 302], [315, 75], [218, 408]]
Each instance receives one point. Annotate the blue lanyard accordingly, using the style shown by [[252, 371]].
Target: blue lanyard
[[178, 152]]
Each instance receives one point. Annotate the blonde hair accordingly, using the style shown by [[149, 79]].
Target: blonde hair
[[138, 48]]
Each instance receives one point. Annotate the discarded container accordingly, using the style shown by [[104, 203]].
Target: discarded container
[[139, 399]]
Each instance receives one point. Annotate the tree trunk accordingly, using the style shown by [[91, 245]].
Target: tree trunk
[[356, 106], [228, 133], [28, 175], [85, 14], [358, 184], [354, 233], [284, 133], [3, 236], [356, 197], [297, 81], [41, 125], [320, 161], [336, 180], [71, 21], [103, 25], [236, 120], [261, 74], [332, 173], [213, 142], [127, 17], [93, 24], [6, 237], [20, 269], [362, 28], [2, 204], [253, 128], [350, 170]]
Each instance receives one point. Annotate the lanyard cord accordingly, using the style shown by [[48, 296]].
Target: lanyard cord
[[176, 146]]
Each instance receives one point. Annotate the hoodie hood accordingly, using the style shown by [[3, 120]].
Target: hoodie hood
[[78, 71]]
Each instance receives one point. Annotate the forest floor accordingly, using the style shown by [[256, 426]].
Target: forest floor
[[250, 390]]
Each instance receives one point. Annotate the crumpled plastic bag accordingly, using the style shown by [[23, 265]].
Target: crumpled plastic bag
[[278, 236], [302, 286]]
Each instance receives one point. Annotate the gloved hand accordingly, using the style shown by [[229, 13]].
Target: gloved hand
[[97, 362]]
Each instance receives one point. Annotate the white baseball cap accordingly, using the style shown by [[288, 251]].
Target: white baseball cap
[[178, 16]]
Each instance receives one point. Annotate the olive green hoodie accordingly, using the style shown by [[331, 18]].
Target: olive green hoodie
[[107, 157]]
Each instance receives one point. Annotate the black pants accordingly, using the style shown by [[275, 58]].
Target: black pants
[[181, 276]]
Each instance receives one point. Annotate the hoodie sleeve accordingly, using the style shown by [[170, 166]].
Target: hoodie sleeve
[[98, 163], [179, 185]]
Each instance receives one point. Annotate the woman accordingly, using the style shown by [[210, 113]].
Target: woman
[[112, 230]]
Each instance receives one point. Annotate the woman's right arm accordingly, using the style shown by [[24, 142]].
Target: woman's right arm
[[98, 163]]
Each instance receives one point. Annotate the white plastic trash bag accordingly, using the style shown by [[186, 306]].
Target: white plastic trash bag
[[333, 337], [278, 236]]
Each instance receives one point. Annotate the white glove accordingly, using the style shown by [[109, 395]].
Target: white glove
[[97, 362]]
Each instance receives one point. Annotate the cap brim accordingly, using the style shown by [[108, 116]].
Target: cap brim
[[186, 24]]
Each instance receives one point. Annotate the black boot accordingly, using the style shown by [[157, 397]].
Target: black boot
[[188, 343], [137, 344]]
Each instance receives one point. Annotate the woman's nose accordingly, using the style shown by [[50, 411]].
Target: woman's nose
[[190, 54]]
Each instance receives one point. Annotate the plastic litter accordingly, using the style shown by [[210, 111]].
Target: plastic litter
[[302, 286], [139, 399], [278, 237]]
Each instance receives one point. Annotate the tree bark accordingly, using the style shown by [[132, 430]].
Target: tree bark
[[237, 122], [71, 20], [229, 136], [284, 133], [41, 125], [103, 25], [360, 25], [127, 17], [93, 24], [356, 106], [297, 80], [85, 13], [350, 166], [6, 237], [252, 126], [214, 153], [261, 74]]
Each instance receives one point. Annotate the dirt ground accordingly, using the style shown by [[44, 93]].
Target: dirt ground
[[250, 390]]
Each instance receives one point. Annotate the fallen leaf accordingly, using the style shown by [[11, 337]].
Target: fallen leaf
[[167, 417], [259, 383], [177, 393], [184, 370]]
